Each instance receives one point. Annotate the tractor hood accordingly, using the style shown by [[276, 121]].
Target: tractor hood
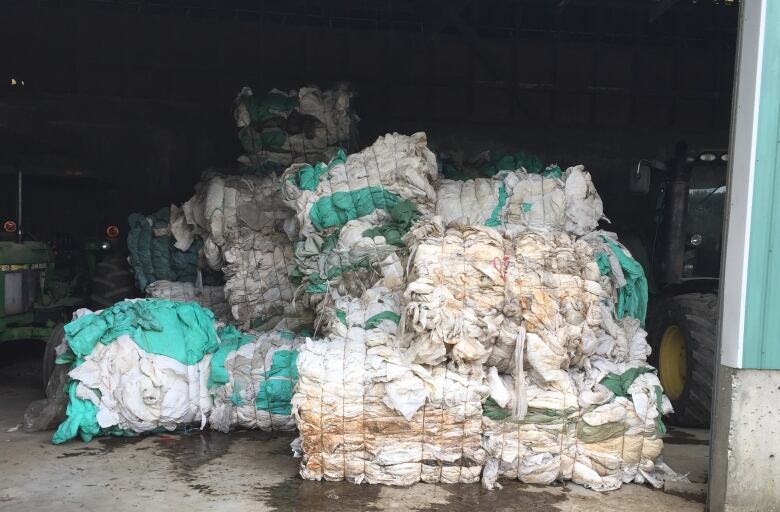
[[29, 255]]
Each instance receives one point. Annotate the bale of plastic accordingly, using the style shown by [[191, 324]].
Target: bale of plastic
[[366, 415], [354, 210], [472, 289], [244, 227], [546, 199], [554, 322], [153, 253], [283, 128], [598, 429], [252, 380], [138, 366]]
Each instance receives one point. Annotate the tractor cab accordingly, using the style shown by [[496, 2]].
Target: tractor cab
[[683, 234], [680, 239]]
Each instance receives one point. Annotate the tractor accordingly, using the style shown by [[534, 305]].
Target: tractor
[[679, 247], [47, 271]]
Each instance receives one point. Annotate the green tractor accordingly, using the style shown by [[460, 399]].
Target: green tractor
[[46, 275], [680, 248]]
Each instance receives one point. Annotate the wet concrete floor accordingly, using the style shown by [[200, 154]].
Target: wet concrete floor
[[199, 471]]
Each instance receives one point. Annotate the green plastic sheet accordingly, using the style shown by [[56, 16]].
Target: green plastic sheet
[[270, 106], [276, 391], [341, 207], [495, 217], [500, 161], [619, 385], [373, 321], [308, 176], [632, 298], [230, 339]]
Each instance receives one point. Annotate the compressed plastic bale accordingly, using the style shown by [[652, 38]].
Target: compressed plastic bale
[[479, 201], [553, 200], [283, 128], [365, 414], [472, 288], [252, 380], [349, 432], [138, 366], [246, 231], [570, 202], [257, 284], [153, 253], [599, 445], [394, 169], [354, 211], [224, 204]]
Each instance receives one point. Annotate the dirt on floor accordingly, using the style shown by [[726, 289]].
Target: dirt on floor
[[200, 471]]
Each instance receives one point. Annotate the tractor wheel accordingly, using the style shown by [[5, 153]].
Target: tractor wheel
[[112, 282], [50, 354], [682, 333]]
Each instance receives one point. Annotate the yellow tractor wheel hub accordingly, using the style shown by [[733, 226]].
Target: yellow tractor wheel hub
[[672, 362]]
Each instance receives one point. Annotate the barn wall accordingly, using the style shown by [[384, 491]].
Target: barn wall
[[147, 99]]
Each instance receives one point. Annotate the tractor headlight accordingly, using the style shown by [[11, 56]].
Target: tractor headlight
[[105, 245], [696, 239]]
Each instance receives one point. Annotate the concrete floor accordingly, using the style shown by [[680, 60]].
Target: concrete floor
[[201, 471]]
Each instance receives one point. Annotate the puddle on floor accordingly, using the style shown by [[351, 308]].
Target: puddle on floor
[[295, 494]]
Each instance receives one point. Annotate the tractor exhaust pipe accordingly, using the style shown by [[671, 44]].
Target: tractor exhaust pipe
[[675, 212], [19, 224]]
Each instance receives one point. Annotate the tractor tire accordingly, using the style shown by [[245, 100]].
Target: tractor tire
[[682, 332], [112, 282], [50, 354]]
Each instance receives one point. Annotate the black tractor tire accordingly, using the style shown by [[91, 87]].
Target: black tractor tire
[[696, 316], [49, 353], [112, 282]]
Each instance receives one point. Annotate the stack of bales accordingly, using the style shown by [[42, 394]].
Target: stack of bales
[[550, 310], [363, 411], [237, 225]]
